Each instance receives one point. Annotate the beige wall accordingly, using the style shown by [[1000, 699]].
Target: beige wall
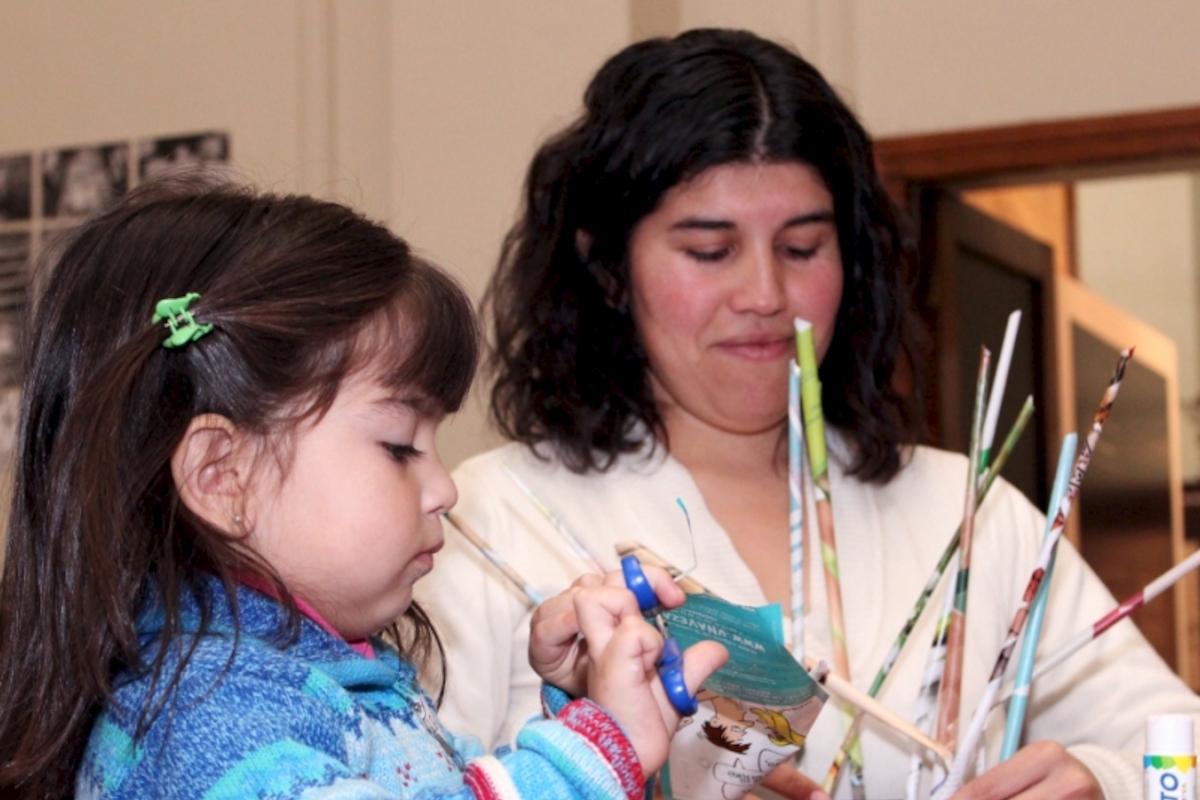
[[470, 102], [424, 113], [926, 65]]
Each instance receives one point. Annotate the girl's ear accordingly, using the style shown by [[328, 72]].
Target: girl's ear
[[210, 468]]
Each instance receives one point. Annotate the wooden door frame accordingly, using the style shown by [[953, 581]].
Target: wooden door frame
[[916, 168], [1147, 141]]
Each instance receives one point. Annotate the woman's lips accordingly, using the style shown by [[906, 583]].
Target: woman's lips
[[760, 348]]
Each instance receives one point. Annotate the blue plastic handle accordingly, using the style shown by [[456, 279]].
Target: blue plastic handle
[[670, 662], [670, 672], [635, 581]]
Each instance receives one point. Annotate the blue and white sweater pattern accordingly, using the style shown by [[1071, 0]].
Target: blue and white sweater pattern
[[314, 719]]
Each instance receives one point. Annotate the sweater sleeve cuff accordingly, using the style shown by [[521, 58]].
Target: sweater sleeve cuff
[[585, 749], [554, 700], [602, 731], [1118, 773]]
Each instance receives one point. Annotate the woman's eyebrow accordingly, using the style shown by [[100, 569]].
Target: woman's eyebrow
[[825, 215], [697, 223], [703, 224]]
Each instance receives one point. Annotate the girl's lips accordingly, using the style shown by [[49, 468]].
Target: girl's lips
[[759, 349], [424, 559]]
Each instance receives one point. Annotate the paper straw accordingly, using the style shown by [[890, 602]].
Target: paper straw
[[1016, 710], [848, 693], [494, 557], [796, 509], [1126, 607], [570, 538], [925, 707], [996, 398], [951, 692], [814, 435], [993, 472], [966, 750]]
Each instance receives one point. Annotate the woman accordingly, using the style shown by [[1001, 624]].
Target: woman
[[715, 188]]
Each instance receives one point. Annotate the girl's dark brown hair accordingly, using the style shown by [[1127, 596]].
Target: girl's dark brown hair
[[570, 370], [299, 292]]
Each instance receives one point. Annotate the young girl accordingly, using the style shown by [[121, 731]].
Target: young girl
[[226, 488]]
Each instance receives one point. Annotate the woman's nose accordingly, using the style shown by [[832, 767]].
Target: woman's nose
[[760, 287]]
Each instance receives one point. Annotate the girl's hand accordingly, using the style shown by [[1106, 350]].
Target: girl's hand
[[1040, 770], [557, 651], [622, 651]]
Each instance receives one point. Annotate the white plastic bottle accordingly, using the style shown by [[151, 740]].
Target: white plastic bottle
[[1170, 760]]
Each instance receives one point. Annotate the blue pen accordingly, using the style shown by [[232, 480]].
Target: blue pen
[[670, 663]]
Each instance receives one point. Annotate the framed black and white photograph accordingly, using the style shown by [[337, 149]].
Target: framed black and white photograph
[[15, 249], [156, 156], [10, 410], [16, 181], [83, 180]]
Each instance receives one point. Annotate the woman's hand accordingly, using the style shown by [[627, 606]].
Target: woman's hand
[[1040, 770], [793, 784]]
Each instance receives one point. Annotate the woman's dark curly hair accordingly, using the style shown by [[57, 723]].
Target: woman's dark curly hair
[[569, 368]]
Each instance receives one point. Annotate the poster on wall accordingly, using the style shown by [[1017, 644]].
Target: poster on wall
[[74, 182], [16, 199], [156, 156], [15, 249], [82, 180]]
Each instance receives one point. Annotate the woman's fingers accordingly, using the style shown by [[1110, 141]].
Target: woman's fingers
[[793, 784], [1039, 771]]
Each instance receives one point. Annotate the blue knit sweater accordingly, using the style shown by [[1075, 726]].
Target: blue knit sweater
[[314, 719]]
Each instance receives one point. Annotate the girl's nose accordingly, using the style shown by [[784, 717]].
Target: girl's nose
[[438, 494]]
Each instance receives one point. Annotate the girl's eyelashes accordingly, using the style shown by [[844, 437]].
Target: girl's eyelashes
[[402, 453]]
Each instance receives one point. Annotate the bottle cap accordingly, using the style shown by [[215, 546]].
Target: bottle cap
[[1170, 735]]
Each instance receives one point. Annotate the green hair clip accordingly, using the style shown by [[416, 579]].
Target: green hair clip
[[183, 325]]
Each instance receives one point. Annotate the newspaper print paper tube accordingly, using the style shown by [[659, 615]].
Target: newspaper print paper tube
[[966, 750]]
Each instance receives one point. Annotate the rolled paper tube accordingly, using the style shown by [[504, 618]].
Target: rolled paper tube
[[814, 434], [996, 398], [1123, 610], [796, 508], [969, 743], [570, 538], [993, 472], [1016, 712], [848, 693], [491, 555], [948, 707]]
